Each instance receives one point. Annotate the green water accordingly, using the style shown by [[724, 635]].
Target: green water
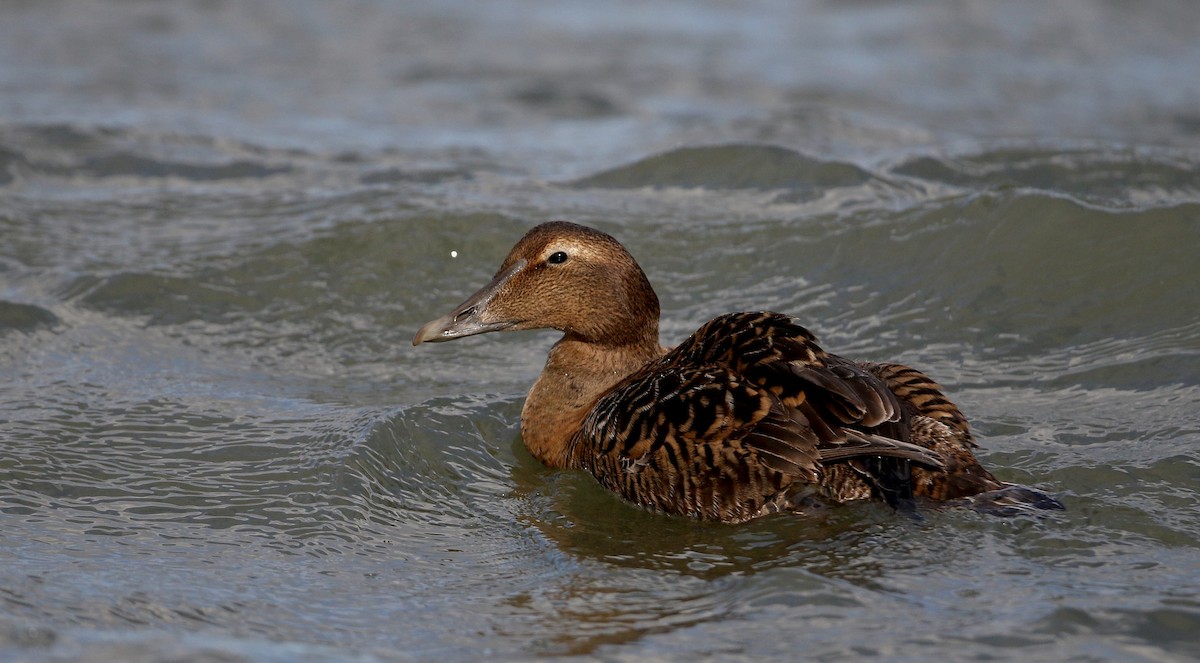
[[220, 225]]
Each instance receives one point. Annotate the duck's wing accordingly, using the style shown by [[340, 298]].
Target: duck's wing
[[924, 395], [775, 352], [724, 426], [939, 425]]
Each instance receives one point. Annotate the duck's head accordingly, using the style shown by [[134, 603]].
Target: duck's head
[[561, 276]]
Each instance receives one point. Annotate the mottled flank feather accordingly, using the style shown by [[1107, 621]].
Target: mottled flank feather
[[937, 425], [737, 420], [747, 416]]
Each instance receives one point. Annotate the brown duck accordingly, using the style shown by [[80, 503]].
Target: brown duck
[[746, 417]]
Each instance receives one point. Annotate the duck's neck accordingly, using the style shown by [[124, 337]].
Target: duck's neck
[[577, 373]]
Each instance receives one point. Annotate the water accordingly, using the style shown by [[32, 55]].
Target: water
[[221, 223]]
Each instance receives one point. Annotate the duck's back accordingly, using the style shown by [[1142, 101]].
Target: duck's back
[[744, 418]]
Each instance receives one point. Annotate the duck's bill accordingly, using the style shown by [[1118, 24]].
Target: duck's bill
[[472, 316], [461, 322]]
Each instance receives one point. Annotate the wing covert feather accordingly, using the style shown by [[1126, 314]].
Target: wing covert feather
[[741, 412]]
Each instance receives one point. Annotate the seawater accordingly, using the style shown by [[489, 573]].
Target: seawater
[[221, 223]]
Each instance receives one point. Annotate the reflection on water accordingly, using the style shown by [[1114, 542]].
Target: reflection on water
[[221, 223]]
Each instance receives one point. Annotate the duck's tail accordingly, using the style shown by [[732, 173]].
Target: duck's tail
[[1010, 500]]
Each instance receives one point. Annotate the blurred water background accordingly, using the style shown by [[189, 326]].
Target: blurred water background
[[221, 223]]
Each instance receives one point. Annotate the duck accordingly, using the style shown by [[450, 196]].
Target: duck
[[748, 416]]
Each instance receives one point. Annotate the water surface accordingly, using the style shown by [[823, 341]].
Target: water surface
[[221, 223]]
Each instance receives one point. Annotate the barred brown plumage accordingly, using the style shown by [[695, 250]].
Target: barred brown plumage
[[747, 416]]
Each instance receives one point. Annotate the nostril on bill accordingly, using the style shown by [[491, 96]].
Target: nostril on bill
[[466, 313]]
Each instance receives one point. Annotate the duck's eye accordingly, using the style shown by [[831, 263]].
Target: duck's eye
[[557, 258]]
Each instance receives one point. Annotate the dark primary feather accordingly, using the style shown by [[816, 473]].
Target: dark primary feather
[[936, 424], [739, 417]]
